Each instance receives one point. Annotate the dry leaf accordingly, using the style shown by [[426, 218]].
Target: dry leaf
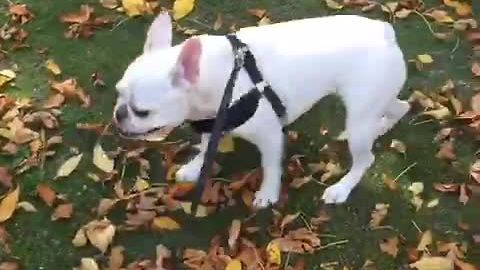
[[80, 238], [101, 160], [432, 203], [476, 69], [100, 233], [463, 198], [9, 266], [416, 188], [378, 214], [433, 263], [182, 8], [88, 264], [5, 177], [46, 193], [54, 101], [425, 241], [475, 171], [53, 67], [226, 144], [234, 233], [390, 246], [162, 254], [440, 16], [165, 223], [446, 187], [274, 256], [218, 22], [137, 7], [68, 166], [288, 219], [27, 206], [8, 204], [109, 4], [264, 21], [475, 103], [447, 151], [332, 169], [300, 181], [389, 182], [6, 76], [259, 13], [333, 4], [115, 261], [105, 205], [399, 146], [234, 265], [63, 211], [439, 114], [78, 17], [425, 101]]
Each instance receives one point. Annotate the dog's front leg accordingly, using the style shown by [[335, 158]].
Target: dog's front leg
[[191, 171], [268, 138]]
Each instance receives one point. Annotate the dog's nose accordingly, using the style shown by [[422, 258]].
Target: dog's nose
[[121, 113]]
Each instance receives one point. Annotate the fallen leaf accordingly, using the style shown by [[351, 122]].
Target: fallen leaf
[[389, 182], [433, 263], [137, 7], [464, 265], [80, 238], [332, 169], [116, 259], [63, 211], [27, 206], [446, 187], [390, 246], [425, 240], [274, 256], [475, 171], [70, 89], [259, 13], [53, 67], [9, 266], [416, 188], [6, 75], [182, 8], [165, 223], [101, 160], [425, 101], [333, 4], [78, 17], [403, 13], [476, 69], [378, 214], [264, 21], [46, 193], [432, 203], [234, 233], [100, 233], [226, 144], [109, 4], [218, 22], [8, 204], [425, 58], [5, 177], [162, 254], [399, 146], [288, 219], [475, 103], [300, 181], [234, 265], [463, 198], [439, 114], [88, 264], [440, 16], [68, 166], [20, 13], [105, 205], [447, 151], [476, 239], [54, 101]]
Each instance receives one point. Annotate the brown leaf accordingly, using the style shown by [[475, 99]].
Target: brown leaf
[[5, 177], [162, 254], [54, 101], [475, 171], [10, 148], [475, 103], [433, 263], [476, 69], [399, 146], [70, 89], [81, 16], [109, 4], [105, 205], [259, 13], [288, 219], [463, 198], [390, 246], [447, 151], [389, 182], [300, 181], [425, 240], [63, 211], [446, 187], [20, 13], [100, 233], [116, 259], [234, 233], [9, 266], [8, 204], [218, 22]]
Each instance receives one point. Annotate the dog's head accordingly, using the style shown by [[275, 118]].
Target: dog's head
[[153, 92]]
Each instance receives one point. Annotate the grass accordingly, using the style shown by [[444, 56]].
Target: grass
[[40, 243]]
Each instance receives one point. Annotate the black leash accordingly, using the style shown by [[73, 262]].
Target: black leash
[[218, 126]]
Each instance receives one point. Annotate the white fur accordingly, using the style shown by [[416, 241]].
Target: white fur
[[304, 60]]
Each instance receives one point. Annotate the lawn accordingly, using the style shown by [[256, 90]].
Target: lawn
[[348, 240]]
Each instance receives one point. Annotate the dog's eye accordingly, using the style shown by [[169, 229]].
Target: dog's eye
[[141, 113]]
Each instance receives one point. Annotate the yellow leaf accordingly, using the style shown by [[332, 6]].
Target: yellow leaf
[[141, 184], [53, 67], [439, 114], [333, 5], [234, 265], [6, 75], [136, 7], [433, 263], [226, 144], [88, 264], [80, 238], [101, 160], [182, 8], [165, 223], [425, 241], [274, 256], [69, 166], [463, 9], [399, 146], [432, 203], [416, 188], [425, 58], [8, 204]]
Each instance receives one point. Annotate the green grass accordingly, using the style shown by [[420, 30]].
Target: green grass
[[40, 243]]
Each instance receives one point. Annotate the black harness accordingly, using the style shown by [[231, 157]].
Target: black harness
[[245, 107], [235, 115]]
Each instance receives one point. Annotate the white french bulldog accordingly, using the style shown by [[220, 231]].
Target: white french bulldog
[[304, 60]]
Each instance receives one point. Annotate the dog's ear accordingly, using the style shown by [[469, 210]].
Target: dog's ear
[[188, 63], [159, 34]]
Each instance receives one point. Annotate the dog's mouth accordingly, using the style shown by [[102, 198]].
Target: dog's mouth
[[154, 134]]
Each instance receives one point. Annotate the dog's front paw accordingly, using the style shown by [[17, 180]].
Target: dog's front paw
[[264, 198], [188, 173], [336, 194]]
